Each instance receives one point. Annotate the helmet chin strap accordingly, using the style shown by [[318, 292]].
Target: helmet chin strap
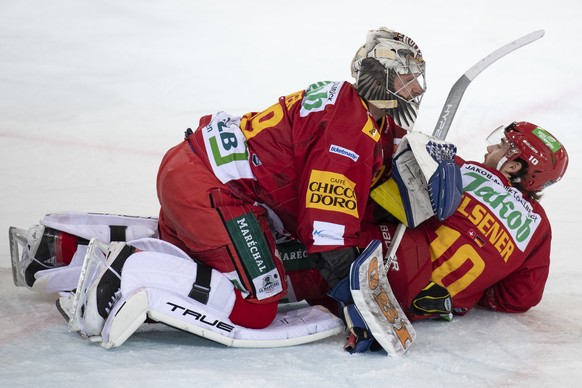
[[384, 104], [501, 162]]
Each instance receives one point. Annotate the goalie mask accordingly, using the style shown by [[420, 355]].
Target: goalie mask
[[389, 72], [546, 158]]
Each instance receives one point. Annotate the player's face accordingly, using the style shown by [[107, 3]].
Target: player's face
[[495, 152], [407, 86]]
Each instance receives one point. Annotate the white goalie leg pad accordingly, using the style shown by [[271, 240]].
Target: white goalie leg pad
[[292, 327], [127, 272], [162, 282], [125, 318], [141, 270], [103, 227], [65, 278], [157, 284], [84, 226], [162, 271], [178, 311]]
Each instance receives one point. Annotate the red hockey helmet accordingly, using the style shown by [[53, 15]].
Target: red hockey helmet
[[545, 156]]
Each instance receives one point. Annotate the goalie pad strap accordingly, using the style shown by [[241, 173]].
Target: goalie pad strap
[[117, 232], [201, 287]]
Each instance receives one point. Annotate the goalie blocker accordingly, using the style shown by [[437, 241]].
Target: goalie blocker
[[425, 181]]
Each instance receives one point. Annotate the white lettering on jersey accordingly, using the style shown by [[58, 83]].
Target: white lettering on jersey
[[335, 149]]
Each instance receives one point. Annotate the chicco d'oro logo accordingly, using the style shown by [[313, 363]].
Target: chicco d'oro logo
[[331, 191]]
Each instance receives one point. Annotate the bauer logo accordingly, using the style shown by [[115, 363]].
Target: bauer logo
[[334, 149], [332, 192]]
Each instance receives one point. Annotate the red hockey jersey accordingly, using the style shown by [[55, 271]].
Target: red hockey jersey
[[311, 158], [495, 249]]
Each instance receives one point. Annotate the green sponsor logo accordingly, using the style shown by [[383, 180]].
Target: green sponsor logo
[[504, 205], [548, 139], [317, 94], [224, 145]]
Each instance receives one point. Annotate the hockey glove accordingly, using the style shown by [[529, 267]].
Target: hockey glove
[[425, 181], [433, 301]]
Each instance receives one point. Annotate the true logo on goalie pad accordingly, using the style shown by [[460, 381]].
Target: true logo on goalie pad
[[386, 307], [200, 317]]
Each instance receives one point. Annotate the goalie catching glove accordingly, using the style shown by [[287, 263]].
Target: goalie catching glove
[[425, 181]]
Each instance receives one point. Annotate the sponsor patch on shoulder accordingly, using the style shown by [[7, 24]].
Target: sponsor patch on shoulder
[[370, 130], [335, 149], [319, 95]]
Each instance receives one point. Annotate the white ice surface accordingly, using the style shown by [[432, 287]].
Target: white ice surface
[[92, 93]]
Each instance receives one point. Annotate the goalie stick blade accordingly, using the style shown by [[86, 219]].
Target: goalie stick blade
[[377, 304], [453, 100]]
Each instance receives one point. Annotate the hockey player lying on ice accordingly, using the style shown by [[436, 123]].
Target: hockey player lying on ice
[[239, 187]]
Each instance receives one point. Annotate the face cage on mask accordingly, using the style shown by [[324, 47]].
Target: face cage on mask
[[498, 135], [417, 78]]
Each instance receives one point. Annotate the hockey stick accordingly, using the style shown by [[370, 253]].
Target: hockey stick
[[450, 108], [454, 99]]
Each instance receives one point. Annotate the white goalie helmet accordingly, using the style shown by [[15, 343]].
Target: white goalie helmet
[[390, 73]]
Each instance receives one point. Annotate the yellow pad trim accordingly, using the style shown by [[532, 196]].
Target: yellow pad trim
[[388, 196]]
